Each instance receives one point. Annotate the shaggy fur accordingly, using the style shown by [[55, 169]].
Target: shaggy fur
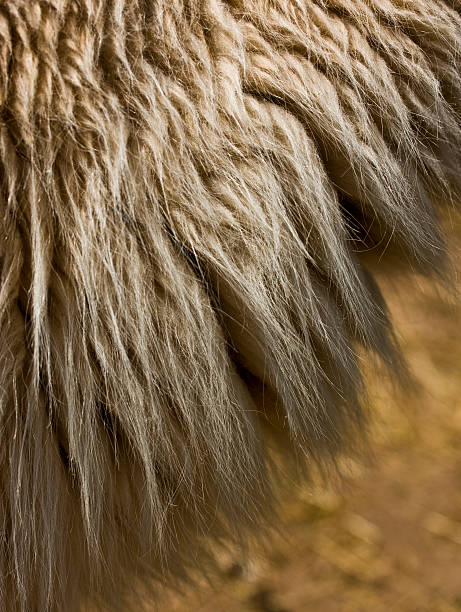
[[185, 186]]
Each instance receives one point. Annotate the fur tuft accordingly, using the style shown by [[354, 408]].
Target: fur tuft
[[185, 191]]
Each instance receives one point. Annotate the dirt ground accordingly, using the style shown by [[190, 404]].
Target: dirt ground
[[391, 539]]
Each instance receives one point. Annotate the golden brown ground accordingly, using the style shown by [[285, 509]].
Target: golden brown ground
[[391, 540]]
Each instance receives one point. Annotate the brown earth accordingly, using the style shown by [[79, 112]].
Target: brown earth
[[391, 539]]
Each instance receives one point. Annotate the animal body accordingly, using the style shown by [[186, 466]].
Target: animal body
[[186, 190]]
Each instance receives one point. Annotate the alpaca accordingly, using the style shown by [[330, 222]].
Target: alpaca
[[190, 191]]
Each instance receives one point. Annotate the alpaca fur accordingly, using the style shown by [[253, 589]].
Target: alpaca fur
[[187, 187]]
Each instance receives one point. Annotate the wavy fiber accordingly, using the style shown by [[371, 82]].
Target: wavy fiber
[[185, 191]]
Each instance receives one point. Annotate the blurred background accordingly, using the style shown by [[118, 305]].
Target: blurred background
[[390, 537]]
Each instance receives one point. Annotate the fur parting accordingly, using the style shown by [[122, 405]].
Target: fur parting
[[185, 189]]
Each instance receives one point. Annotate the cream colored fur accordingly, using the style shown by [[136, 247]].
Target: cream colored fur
[[186, 186]]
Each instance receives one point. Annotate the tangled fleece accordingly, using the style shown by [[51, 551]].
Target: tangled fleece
[[186, 186]]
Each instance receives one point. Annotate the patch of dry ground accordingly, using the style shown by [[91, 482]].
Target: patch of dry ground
[[391, 540]]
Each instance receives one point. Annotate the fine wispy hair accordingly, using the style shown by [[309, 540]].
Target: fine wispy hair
[[186, 187]]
